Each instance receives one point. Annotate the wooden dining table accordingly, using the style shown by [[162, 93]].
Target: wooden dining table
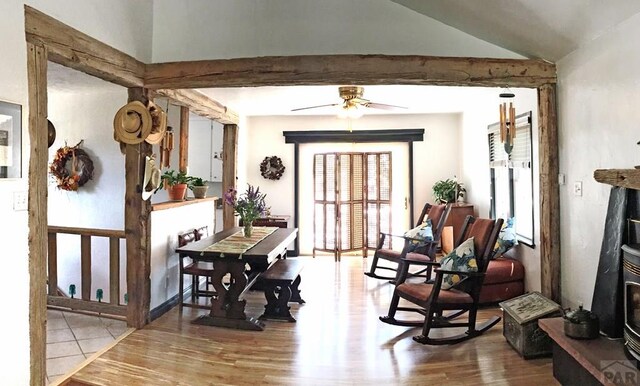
[[228, 307]]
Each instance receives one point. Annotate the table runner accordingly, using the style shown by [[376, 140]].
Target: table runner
[[237, 244]]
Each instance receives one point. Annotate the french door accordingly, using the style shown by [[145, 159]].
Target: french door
[[352, 201]]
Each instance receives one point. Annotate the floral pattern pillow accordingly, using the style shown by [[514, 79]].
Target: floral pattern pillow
[[461, 259], [423, 232], [506, 238]]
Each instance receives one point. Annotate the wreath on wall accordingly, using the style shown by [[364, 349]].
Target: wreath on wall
[[272, 168], [77, 173]]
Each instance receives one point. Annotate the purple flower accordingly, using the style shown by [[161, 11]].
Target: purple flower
[[248, 206]]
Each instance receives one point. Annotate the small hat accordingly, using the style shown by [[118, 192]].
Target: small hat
[[132, 123], [151, 180], [158, 123]]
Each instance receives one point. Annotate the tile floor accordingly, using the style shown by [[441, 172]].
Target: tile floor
[[71, 338]]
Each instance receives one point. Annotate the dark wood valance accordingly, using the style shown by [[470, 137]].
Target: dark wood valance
[[386, 135]]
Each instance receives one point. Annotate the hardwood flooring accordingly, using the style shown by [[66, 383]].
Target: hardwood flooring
[[337, 340]]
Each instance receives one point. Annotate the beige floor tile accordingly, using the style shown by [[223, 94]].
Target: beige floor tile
[[54, 314], [55, 336], [60, 366], [56, 324], [79, 320], [117, 330], [114, 323], [90, 332], [89, 346], [62, 349]]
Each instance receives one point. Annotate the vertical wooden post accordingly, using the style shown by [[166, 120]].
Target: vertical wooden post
[[137, 227], [37, 210], [184, 139], [52, 264], [85, 266], [229, 169], [114, 270], [549, 192]]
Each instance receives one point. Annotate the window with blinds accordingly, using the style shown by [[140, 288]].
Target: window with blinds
[[512, 177]]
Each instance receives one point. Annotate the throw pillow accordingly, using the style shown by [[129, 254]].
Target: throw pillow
[[461, 259], [423, 232], [506, 238]]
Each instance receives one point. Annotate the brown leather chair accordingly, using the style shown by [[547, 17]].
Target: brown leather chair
[[504, 279], [426, 251], [463, 297], [195, 269]]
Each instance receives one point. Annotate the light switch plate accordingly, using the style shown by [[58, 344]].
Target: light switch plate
[[577, 188], [20, 200]]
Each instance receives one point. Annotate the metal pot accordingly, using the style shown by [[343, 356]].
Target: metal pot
[[581, 324]]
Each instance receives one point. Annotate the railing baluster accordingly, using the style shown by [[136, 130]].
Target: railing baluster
[[52, 263], [85, 266], [114, 270]]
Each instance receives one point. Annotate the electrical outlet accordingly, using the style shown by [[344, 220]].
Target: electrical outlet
[[577, 188], [20, 200]]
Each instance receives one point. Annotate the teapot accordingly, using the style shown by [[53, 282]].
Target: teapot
[[581, 324]]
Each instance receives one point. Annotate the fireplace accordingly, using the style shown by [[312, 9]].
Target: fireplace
[[631, 276]]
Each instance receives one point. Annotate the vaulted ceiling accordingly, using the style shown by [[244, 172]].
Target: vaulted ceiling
[[546, 29]]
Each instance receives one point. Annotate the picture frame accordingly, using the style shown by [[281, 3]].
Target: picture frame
[[10, 140]]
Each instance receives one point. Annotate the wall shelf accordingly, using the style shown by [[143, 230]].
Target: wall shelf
[[624, 178]]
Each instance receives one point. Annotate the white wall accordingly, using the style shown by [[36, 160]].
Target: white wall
[[435, 158], [475, 160], [120, 23], [88, 116], [598, 98], [250, 28]]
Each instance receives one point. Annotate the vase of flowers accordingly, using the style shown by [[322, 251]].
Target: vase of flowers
[[248, 206]]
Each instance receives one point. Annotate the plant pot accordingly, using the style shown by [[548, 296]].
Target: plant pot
[[199, 191], [176, 192]]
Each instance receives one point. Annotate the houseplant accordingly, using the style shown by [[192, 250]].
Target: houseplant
[[248, 206], [176, 184], [198, 186], [447, 191]]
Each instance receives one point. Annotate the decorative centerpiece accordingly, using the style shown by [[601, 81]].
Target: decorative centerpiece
[[248, 206]]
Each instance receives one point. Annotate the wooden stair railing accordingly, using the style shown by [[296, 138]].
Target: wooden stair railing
[[84, 303]]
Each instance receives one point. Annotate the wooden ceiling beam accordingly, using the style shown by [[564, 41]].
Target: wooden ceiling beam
[[72, 48], [201, 104], [351, 69]]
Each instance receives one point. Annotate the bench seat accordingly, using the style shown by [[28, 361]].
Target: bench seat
[[281, 281]]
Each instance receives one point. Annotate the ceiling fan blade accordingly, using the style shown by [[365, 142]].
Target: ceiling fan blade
[[316, 107], [383, 106]]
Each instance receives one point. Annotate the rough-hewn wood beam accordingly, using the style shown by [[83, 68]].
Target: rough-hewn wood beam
[[37, 210], [624, 178], [549, 193], [201, 104], [229, 170], [137, 225], [350, 69], [72, 48]]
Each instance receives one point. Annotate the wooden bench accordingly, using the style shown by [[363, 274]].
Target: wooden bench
[[281, 281]]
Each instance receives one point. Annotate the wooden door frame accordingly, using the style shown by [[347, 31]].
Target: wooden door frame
[[50, 40]]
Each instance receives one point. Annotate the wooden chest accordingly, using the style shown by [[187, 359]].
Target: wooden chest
[[520, 324]]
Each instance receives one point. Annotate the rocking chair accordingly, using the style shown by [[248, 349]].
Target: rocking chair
[[461, 298], [425, 251]]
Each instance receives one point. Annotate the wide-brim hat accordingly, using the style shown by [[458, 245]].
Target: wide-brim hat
[[151, 181], [158, 123], [132, 123]]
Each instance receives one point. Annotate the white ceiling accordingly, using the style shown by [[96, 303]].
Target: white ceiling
[[546, 29], [262, 101]]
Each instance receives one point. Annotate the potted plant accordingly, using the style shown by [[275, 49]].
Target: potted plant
[[176, 184], [198, 186], [447, 191]]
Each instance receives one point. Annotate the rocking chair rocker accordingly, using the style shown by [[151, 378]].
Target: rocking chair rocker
[[426, 251], [462, 297]]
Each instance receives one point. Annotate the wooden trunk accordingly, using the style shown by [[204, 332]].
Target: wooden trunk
[[527, 338]]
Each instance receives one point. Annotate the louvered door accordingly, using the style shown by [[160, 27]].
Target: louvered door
[[352, 201]]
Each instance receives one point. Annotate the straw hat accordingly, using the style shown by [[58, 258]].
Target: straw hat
[[132, 123], [151, 180], [158, 123]]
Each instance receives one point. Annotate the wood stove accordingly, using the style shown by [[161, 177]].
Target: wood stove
[[631, 291]]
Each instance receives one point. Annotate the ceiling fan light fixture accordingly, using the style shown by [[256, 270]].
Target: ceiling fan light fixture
[[350, 111]]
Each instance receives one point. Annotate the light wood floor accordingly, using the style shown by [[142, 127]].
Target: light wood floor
[[337, 340]]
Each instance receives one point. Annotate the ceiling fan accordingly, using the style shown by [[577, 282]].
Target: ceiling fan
[[353, 103]]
